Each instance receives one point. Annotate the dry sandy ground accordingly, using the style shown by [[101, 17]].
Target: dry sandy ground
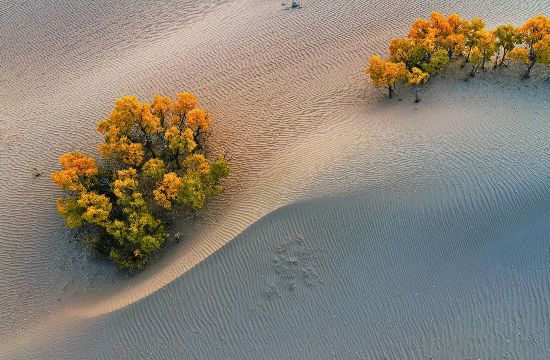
[[404, 231]]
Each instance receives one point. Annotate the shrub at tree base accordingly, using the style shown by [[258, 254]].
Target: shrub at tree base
[[432, 43], [154, 161]]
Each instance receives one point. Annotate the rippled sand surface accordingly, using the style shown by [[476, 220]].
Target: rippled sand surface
[[402, 230]]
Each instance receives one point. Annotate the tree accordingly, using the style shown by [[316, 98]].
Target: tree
[[507, 36], [415, 78], [154, 170], [386, 73], [471, 35], [125, 184], [196, 163], [153, 162], [179, 142], [192, 193], [198, 120], [407, 51], [456, 39], [442, 30], [97, 208], [127, 130], [486, 45], [219, 170], [437, 62], [78, 172], [162, 107], [535, 29], [422, 33], [167, 191], [185, 103], [542, 50], [476, 58], [71, 212], [136, 235], [519, 55], [533, 34]]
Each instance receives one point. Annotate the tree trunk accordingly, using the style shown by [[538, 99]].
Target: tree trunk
[[496, 59], [391, 91], [533, 59], [183, 119], [149, 145], [200, 145], [176, 156], [503, 57], [474, 69], [467, 57]]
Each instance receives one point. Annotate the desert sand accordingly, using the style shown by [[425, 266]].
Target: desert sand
[[353, 226]]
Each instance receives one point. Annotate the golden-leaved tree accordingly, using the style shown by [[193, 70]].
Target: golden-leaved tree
[[535, 34], [416, 77], [154, 161], [386, 73], [507, 37]]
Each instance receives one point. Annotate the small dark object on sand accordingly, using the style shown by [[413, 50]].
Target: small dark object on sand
[[294, 5], [36, 173]]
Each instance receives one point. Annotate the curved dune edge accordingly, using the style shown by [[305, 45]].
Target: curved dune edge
[[275, 188], [292, 177], [369, 139], [310, 55]]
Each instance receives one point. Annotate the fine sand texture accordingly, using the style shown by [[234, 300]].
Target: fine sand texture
[[354, 226]]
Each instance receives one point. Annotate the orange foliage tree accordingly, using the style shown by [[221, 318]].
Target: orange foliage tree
[[386, 73], [154, 161], [535, 34], [507, 37], [415, 78]]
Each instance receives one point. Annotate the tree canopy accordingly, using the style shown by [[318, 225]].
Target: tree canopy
[[154, 161], [432, 43], [387, 73]]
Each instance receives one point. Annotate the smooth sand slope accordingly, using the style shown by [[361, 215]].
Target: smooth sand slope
[[451, 193]]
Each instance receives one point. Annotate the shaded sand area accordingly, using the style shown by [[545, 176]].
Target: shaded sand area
[[428, 235], [334, 279]]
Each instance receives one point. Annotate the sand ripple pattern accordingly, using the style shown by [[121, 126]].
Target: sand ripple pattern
[[293, 111]]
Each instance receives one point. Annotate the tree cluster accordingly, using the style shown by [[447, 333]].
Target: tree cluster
[[154, 160], [432, 43]]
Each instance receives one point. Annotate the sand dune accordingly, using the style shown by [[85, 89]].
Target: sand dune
[[298, 121], [335, 279]]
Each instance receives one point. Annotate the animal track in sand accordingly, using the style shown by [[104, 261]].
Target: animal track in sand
[[294, 264]]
